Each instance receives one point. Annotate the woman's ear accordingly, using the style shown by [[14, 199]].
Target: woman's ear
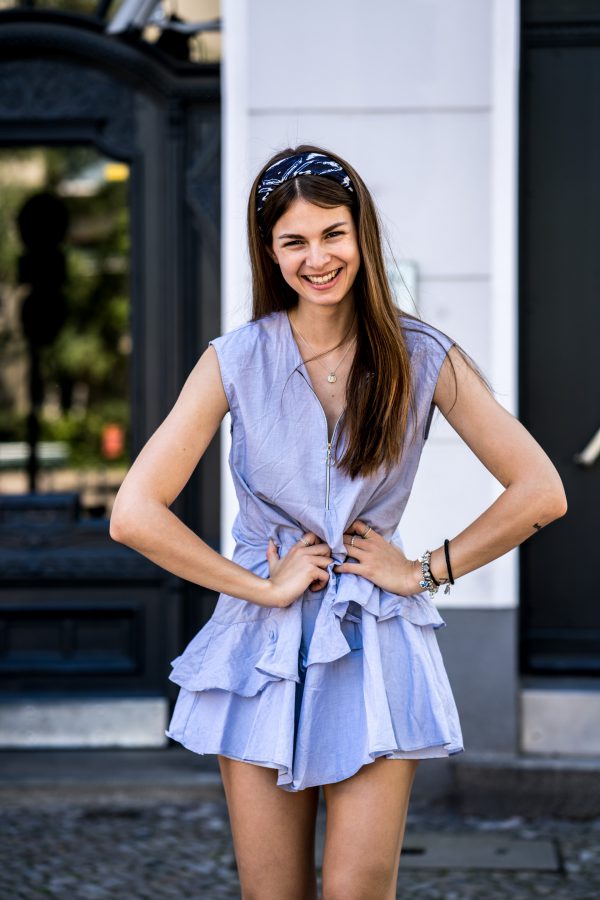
[[272, 255]]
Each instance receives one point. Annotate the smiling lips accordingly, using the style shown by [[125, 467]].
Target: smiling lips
[[322, 279]]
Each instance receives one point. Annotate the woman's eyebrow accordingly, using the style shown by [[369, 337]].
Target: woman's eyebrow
[[325, 230]]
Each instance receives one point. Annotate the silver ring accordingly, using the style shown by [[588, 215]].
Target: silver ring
[[365, 533], [305, 542], [352, 540]]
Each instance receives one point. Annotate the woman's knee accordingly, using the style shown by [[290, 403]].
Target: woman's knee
[[375, 881], [277, 889], [273, 833]]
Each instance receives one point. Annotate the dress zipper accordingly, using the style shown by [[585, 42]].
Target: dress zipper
[[329, 443], [328, 465], [328, 461]]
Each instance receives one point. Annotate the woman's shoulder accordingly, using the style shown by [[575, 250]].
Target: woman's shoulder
[[423, 336], [247, 332], [244, 340]]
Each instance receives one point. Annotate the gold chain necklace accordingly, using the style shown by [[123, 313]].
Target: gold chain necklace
[[331, 376]]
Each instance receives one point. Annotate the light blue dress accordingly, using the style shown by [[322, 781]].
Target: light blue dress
[[343, 675]]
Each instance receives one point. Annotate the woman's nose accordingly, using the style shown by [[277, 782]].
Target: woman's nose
[[317, 257]]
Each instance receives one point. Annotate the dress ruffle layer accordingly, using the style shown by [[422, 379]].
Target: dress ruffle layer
[[277, 687]]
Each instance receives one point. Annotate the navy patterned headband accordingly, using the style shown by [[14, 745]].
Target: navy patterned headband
[[301, 164]]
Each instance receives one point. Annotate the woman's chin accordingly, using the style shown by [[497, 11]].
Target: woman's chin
[[324, 298]]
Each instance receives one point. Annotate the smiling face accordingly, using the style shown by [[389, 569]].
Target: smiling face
[[317, 251]]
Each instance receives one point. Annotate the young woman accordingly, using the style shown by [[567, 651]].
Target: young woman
[[320, 665]]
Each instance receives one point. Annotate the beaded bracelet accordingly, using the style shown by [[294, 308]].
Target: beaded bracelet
[[427, 580]]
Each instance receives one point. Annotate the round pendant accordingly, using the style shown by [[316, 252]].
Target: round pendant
[[331, 377]]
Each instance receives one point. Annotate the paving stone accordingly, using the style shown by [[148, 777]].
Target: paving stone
[[429, 850], [139, 846]]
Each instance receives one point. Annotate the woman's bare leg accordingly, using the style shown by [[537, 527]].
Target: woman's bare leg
[[366, 817], [273, 833]]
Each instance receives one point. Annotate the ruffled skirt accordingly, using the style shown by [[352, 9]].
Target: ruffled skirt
[[318, 689]]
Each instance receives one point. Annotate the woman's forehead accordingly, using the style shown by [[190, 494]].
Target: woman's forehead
[[302, 215]]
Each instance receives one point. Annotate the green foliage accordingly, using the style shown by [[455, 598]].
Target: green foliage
[[89, 358], [83, 432]]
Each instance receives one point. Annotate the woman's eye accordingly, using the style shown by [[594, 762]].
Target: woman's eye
[[297, 242]]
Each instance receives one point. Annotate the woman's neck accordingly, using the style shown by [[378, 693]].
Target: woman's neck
[[323, 326]]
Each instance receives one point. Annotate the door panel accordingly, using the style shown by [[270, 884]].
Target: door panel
[[79, 614], [560, 328]]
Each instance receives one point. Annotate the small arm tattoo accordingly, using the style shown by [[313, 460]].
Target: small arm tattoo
[[535, 525]]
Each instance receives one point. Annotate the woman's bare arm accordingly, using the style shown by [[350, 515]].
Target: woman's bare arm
[[534, 494], [141, 517]]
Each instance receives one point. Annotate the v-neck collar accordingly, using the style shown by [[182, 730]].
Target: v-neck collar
[[296, 349], [287, 325]]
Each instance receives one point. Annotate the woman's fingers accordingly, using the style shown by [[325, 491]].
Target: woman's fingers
[[312, 544], [351, 547], [348, 536], [318, 550], [354, 538], [356, 527], [359, 527], [309, 538], [321, 578], [357, 547], [353, 568], [322, 561]]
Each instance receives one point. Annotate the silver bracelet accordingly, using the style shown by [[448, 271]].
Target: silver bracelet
[[427, 580]]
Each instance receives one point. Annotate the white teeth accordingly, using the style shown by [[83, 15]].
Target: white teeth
[[323, 279]]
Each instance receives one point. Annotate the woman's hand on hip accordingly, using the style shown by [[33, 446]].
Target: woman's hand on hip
[[379, 561], [302, 567]]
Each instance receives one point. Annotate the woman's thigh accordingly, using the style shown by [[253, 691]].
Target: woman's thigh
[[273, 832], [366, 817]]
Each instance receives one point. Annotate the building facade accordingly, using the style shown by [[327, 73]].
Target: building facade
[[439, 107], [473, 123]]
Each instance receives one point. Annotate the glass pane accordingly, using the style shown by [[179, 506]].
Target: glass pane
[[65, 340], [172, 25]]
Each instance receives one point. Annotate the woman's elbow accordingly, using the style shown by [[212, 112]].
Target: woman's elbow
[[117, 528], [543, 498], [554, 500], [132, 519], [120, 525], [561, 506]]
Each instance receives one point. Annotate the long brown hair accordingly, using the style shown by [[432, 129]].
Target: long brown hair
[[379, 390]]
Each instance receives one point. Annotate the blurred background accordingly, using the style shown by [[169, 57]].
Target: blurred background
[[110, 194], [129, 136]]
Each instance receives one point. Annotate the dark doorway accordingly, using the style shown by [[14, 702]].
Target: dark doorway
[[80, 615], [560, 326]]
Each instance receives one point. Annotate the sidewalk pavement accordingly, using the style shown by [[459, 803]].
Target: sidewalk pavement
[[153, 824]]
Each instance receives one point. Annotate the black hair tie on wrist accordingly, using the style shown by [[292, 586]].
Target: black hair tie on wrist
[[447, 553]]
